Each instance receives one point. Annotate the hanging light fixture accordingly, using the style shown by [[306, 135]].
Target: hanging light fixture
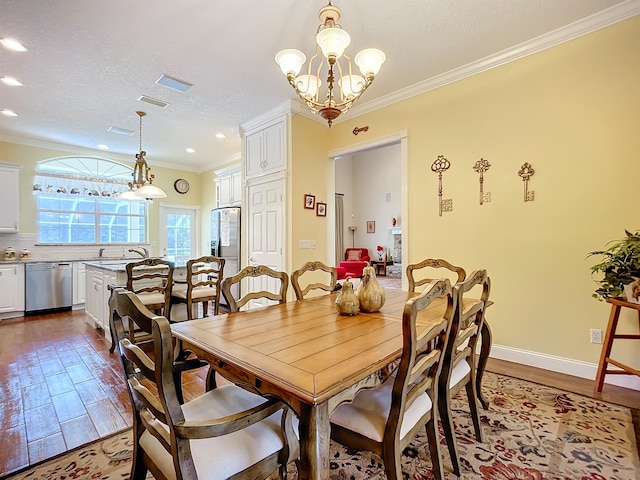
[[142, 188], [331, 41]]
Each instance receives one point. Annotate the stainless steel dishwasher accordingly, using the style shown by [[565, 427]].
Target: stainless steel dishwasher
[[47, 287]]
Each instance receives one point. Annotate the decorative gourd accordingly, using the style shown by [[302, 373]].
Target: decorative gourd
[[347, 301], [370, 293]]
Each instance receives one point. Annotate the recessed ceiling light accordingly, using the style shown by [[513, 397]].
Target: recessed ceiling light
[[9, 113], [174, 83], [152, 101], [11, 81], [220, 135], [13, 44], [190, 150], [103, 147], [121, 131]]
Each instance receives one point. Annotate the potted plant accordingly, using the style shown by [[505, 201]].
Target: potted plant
[[620, 268]]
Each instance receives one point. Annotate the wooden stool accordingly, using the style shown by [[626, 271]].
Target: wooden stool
[[616, 305]]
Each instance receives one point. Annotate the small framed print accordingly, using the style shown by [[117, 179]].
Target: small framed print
[[309, 201], [371, 226], [321, 209]]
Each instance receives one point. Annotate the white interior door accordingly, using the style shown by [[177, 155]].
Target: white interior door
[[179, 233], [265, 238]]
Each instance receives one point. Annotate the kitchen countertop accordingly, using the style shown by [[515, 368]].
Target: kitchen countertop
[[84, 260]]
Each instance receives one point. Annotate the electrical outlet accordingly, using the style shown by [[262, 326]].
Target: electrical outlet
[[596, 335]]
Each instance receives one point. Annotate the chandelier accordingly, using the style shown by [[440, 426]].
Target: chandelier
[[331, 41], [142, 188]]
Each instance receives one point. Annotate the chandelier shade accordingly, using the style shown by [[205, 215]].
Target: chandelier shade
[[333, 42], [370, 60], [290, 61], [342, 87]]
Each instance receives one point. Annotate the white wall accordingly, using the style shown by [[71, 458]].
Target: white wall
[[372, 188]]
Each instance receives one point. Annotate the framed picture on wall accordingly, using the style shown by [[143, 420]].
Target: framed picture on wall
[[309, 201], [321, 209], [371, 226]]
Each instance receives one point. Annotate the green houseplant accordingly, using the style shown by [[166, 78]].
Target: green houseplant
[[619, 265]]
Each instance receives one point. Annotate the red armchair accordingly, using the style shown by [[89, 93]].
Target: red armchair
[[355, 259]]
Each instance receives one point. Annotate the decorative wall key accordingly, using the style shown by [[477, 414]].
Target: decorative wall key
[[480, 167], [526, 172], [440, 166]]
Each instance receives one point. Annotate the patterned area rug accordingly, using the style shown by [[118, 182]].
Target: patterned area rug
[[532, 432]]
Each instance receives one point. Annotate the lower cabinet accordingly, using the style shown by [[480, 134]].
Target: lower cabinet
[[79, 283], [97, 281], [12, 288]]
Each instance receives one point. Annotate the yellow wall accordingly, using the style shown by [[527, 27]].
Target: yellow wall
[[572, 112], [309, 167]]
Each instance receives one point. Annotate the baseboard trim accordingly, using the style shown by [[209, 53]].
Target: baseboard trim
[[563, 365]]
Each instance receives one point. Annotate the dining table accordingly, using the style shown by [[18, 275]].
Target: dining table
[[310, 356]]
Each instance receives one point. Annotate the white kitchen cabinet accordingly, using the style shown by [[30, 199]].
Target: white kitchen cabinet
[[229, 186], [79, 283], [11, 288], [265, 149], [97, 281], [9, 213]]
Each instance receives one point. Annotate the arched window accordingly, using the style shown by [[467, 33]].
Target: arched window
[[78, 203]]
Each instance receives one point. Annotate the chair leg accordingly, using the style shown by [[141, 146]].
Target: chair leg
[[444, 409], [112, 348], [434, 448], [473, 407], [392, 462]]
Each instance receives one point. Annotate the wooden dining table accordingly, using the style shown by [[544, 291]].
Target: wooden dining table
[[310, 356]]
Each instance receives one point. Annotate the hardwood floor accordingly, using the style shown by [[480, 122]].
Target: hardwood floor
[[60, 387]]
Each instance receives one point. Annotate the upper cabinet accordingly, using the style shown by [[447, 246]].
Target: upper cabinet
[[229, 186], [9, 213], [265, 149]]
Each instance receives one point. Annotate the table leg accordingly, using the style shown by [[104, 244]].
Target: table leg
[[606, 347], [315, 431], [485, 349]]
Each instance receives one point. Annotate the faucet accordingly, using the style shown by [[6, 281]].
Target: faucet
[[144, 253], [100, 252]]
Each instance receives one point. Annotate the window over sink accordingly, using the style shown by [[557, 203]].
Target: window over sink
[[77, 202]]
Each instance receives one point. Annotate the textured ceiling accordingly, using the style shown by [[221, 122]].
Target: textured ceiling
[[89, 61]]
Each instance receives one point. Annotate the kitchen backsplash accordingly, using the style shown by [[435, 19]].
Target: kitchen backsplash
[[20, 241]]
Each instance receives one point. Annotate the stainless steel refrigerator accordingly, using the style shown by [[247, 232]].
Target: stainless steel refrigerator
[[225, 243]]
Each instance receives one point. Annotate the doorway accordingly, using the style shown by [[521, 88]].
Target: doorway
[[179, 232], [372, 176]]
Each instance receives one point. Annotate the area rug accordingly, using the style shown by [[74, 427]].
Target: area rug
[[532, 432]]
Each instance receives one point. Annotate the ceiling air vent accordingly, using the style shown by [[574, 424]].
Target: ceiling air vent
[[121, 131], [152, 101], [174, 83]]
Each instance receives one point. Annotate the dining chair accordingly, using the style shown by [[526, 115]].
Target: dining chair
[[271, 286], [128, 314], [416, 271], [459, 368], [385, 420], [151, 280], [227, 432], [315, 281], [201, 285]]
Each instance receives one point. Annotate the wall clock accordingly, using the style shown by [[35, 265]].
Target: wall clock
[[181, 185]]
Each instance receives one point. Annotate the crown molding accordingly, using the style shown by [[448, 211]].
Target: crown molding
[[606, 18]]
